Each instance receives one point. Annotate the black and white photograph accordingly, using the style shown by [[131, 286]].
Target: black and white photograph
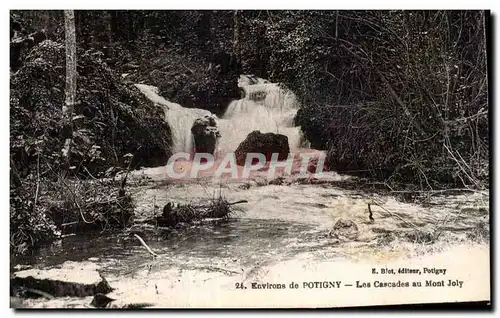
[[249, 158]]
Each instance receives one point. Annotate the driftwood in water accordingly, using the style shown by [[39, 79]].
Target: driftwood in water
[[238, 202], [216, 209], [145, 245]]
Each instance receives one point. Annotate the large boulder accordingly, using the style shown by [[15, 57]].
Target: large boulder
[[314, 121], [266, 144], [70, 279], [345, 230], [205, 134]]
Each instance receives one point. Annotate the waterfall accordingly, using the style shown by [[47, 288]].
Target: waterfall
[[180, 119], [265, 107]]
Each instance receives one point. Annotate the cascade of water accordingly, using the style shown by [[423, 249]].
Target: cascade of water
[[265, 107], [180, 119]]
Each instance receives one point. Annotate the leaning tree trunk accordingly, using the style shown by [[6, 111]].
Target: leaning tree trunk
[[70, 89]]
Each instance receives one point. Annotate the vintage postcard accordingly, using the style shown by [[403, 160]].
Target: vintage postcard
[[249, 158]]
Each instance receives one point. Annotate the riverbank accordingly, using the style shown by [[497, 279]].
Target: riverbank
[[319, 283], [284, 233]]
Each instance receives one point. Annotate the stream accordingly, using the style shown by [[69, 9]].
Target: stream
[[283, 233]]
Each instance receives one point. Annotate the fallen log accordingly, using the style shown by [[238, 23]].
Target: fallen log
[[187, 213]]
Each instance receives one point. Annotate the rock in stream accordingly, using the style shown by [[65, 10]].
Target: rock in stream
[[74, 279]]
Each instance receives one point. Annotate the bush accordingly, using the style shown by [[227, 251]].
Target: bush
[[29, 224], [114, 125], [110, 120], [43, 208], [397, 95], [421, 126]]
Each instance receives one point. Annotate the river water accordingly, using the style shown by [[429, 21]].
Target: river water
[[280, 223]]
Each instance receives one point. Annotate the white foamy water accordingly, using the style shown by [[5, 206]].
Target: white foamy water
[[266, 107], [180, 119]]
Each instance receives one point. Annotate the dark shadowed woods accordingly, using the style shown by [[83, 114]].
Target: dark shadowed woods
[[400, 97]]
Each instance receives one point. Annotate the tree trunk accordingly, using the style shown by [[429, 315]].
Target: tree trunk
[[70, 89], [236, 38]]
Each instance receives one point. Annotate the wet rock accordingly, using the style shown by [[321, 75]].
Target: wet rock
[[205, 133], [20, 267], [245, 186], [419, 236], [75, 279], [345, 229], [130, 66], [477, 211], [312, 166], [313, 120], [249, 79], [101, 301], [277, 181], [266, 144]]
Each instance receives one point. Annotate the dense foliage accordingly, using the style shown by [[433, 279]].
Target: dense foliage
[[401, 96], [113, 126], [110, 120], [397, 95], [392, 94]]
